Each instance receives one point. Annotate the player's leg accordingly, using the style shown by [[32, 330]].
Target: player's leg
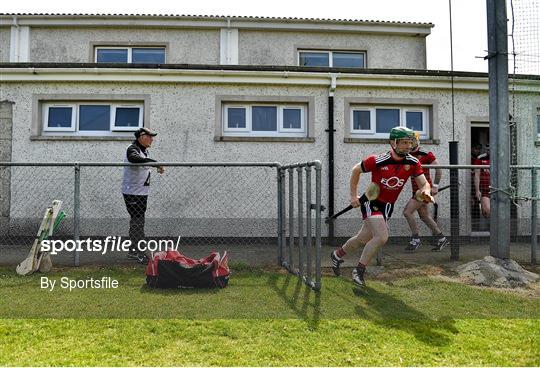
[[350, 245], [425, 216], [379, 230], [486, 210], [412, 206]]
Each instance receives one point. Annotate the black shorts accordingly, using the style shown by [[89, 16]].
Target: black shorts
[[375, 207]]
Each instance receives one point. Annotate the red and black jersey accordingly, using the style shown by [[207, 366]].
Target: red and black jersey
[[425, 158], [483, 159], [391, 175]]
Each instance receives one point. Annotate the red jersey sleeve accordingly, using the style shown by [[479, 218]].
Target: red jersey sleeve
[[368, 164], [417, 170], [430, 158]]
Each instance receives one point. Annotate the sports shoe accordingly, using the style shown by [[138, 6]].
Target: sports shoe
[[142, 258], [336, 263], [358, 276], [132, 254], [441, 244], [413, 245]]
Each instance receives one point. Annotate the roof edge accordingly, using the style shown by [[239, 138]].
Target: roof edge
[[214, 17]]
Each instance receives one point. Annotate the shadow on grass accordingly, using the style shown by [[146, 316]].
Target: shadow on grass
[[175, 291], [307, 307], [389, 312]]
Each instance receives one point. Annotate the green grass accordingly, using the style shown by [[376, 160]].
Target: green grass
[[264, 318]]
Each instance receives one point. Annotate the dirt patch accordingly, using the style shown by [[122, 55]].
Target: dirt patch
[[495, 272]]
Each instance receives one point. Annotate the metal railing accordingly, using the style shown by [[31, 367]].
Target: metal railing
[[459, 218], [521, 189], [210, 206], [298, 234]]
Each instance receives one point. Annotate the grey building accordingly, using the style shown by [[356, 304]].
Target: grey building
[[238, 89]]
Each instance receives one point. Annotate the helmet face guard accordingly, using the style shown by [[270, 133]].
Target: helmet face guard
[[400, 152]]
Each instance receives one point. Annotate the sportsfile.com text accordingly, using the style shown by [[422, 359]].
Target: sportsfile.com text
[[109, 244]]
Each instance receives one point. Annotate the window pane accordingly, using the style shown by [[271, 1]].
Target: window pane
[[292, 118], [94, 117], [112, 56], [414, 120], [236, 117], [386, 120], [127, 117], [314, 59], [59, 117], [361, 120], [347, 60], [148, 55], [264, 118]]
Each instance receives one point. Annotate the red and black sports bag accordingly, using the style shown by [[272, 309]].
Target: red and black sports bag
[[171, 269]]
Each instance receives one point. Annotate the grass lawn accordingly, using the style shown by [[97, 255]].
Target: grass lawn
[[264, 318]]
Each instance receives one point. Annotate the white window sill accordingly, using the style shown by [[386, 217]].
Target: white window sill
[[386, 140], [81, 138], [263, 139]]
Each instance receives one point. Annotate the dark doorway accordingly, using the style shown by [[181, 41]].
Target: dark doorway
[[479, 142]]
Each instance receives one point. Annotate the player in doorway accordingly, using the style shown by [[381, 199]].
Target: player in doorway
[[481, 183]]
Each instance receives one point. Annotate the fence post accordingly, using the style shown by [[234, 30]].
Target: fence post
[[454, 202], [279, 217], [534, 215], [77, 210], [308, 223], [283, 234], [318, 208], [291, 219], [300, 221]]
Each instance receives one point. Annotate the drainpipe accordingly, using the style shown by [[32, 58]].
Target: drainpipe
[[331, 131]]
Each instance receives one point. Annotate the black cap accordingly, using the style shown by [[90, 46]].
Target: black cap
[[144, 131]]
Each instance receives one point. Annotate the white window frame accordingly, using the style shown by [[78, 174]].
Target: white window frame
[[114, 128], [403, 109], [129, 51], [91, 103], [281, 128], [226, 127], [111, 48], [74, 118], [248, 132], [372, 122], [314, 52], [264, 133], [74, 129], [330, 55], [425, 114]]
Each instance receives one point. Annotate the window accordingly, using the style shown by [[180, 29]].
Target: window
[[264, 120], [91, 118], [60, 118], [333, 59], [377, 121], [142, 55]]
